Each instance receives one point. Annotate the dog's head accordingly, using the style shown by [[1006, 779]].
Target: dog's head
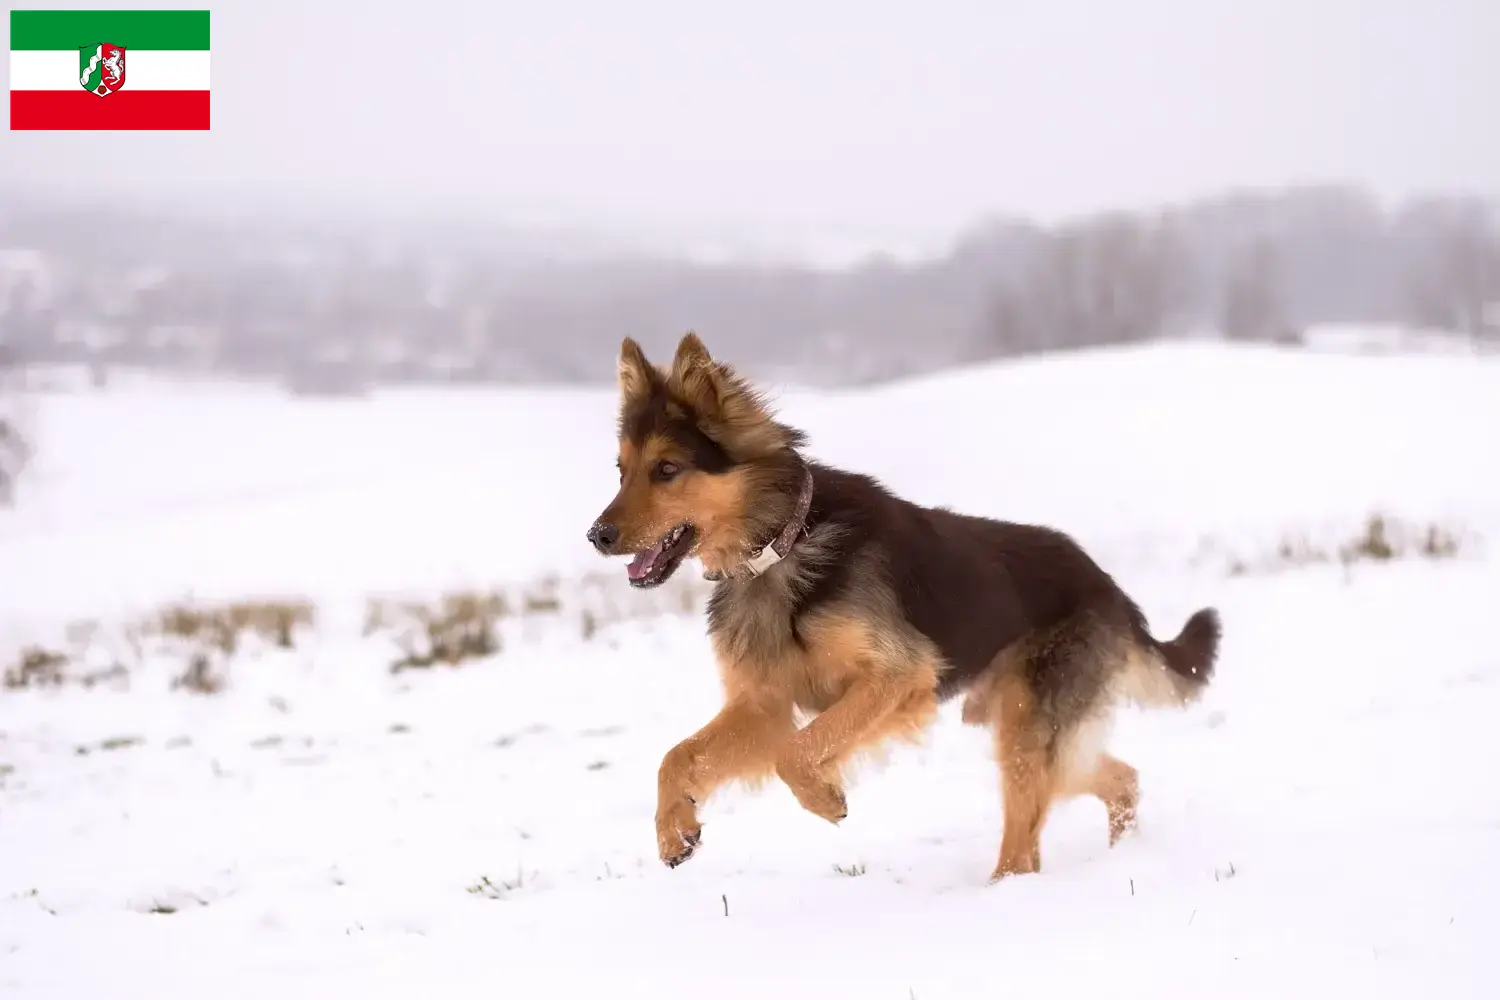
[[697, 444]]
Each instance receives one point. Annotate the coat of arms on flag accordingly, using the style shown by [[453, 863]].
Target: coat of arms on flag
[[102, 68]]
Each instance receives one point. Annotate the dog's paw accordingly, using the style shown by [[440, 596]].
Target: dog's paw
[[825, 800], [813, 791], [1011, 867], [685, 847], [678, 834]]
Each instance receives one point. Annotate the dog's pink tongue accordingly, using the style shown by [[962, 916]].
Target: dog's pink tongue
[[643, 562]]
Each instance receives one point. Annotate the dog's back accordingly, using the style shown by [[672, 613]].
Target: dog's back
[[976, 587]]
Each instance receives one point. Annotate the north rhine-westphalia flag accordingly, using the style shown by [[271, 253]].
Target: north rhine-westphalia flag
[[109, 69]]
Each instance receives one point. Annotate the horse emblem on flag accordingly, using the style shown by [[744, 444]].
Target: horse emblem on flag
[[101, 68]]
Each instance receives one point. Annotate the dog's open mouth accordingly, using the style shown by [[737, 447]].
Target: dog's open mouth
[[653, 566]]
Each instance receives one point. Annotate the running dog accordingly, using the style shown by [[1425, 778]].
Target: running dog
[[838, 600]]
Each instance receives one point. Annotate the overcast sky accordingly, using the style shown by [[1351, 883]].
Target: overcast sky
[[811, 123]]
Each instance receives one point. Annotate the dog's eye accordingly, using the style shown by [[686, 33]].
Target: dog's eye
[[665, 471]]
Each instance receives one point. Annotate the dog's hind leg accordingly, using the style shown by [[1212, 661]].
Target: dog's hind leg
[[1027, 786], [1117, 785], [737, 744]]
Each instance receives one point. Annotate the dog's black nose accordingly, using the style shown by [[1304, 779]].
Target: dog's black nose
[[604, 536]]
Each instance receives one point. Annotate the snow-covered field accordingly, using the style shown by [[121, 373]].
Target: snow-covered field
[[1327, 819]]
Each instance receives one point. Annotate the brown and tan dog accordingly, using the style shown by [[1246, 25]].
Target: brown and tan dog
[[840, 600]]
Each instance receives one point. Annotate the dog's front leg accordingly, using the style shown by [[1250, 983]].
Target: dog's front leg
[[807, 762], [740, 742]]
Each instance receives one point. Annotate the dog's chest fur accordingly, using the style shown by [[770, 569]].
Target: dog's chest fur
[[812, 625], [754, 619], [758, 626]]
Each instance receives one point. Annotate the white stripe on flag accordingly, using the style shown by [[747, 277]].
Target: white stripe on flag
[[145, 69]]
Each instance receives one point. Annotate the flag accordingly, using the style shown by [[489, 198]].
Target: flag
[[109, 69]]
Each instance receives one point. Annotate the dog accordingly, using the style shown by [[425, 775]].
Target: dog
[[837, 600]]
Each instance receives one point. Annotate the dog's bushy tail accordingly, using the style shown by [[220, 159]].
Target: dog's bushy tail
[[1175, 673], [1193, 655]]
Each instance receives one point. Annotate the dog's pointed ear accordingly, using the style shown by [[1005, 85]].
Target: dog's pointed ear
[[690, 354], [633, 370], [726, 407], [695, 376]]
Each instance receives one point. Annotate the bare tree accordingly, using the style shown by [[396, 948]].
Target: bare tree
[[1112, 280], [1456, 284], [1253, 307]]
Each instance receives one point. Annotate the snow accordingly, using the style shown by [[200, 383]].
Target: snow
[[325, 827]]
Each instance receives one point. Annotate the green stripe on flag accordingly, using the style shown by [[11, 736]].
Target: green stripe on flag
[[131, 29]]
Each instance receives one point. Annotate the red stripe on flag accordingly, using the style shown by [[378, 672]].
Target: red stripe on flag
[[127, 109]]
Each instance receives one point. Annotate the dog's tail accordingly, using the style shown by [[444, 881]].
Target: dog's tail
[[1175, 673]]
